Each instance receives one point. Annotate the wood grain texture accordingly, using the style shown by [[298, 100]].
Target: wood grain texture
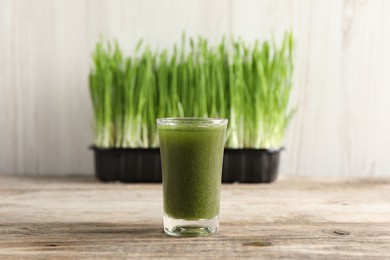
[[341, 82], [78, 218]]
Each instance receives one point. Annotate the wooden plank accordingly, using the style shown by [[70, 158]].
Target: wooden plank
[[73, 218]]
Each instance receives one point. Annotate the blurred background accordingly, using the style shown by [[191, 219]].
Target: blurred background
[[341, 78]]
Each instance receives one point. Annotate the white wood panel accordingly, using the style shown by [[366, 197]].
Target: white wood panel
[[341, 80]]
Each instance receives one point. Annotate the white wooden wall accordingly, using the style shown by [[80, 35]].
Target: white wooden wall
[[342, 88]]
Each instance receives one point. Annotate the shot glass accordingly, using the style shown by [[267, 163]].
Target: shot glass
[[191, 156]]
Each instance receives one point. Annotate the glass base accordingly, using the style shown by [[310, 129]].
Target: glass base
[[190, 228]]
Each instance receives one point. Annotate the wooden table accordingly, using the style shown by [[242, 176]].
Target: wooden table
[[78, 217]]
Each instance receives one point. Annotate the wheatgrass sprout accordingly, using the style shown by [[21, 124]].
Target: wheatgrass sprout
[[248, 84]]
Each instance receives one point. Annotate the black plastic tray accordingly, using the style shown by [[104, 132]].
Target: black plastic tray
[[250, 165], [144, 165], [128, 165]]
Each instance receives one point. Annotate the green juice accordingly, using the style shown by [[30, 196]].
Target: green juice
[[191, 158]]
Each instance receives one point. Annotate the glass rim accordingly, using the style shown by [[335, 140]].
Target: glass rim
[[191, 121]]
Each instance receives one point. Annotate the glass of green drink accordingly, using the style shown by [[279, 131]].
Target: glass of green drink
[[191, 157]]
